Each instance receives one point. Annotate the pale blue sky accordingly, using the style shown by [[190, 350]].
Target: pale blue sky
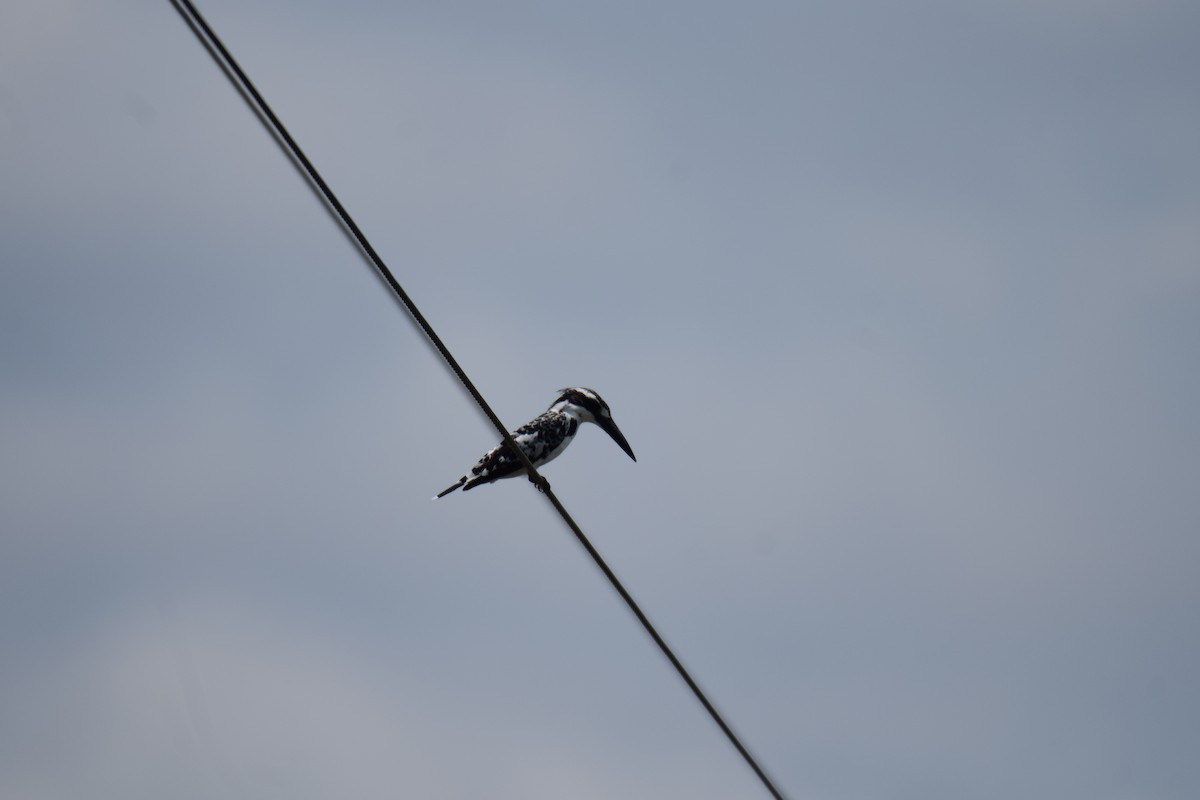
[[898, 304]]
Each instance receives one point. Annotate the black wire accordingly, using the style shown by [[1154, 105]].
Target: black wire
[[250, 93]]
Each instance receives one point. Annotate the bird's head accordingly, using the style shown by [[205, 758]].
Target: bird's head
[[587, 406]]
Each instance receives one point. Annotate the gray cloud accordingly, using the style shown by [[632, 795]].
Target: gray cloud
[[898, 308]]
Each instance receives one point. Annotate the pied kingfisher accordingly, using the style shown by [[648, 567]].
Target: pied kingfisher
[[544, 438]]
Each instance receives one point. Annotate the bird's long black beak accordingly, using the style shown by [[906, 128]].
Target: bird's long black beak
[[612, 430]]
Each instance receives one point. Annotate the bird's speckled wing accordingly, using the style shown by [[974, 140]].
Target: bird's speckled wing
[[538, 438]]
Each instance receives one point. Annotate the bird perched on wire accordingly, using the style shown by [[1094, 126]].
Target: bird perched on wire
[[544, 438]]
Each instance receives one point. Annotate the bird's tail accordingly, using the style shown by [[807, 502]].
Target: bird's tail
[[450, 489]]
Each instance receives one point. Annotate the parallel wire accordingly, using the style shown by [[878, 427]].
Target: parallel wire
[[225, 60]]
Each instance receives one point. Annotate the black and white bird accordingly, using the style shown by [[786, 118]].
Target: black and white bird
[[544, 438]]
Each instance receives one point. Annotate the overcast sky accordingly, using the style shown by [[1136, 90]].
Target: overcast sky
[[897, 303]]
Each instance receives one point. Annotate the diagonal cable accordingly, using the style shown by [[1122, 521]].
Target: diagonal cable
[[225, 60]]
